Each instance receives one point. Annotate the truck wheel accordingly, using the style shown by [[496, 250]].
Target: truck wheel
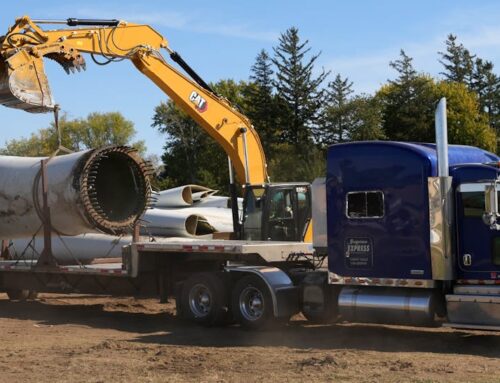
[[33, 294], [18, 294], [203, 300], [252, 303]]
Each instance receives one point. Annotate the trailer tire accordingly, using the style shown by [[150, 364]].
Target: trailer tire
[[178, 298], [18, 294], [252, 303], [204, 300]]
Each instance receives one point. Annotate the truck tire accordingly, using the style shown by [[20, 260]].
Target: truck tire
[[319, 299], [18, 294], [252, 303], [325, 311], [204, 300], [33, 294]]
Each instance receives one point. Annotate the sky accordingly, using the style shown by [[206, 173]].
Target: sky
[[220, 40]]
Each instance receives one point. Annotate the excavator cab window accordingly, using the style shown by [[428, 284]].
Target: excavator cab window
[[282, 216], [287, 212], [303, 209], [252, 217]]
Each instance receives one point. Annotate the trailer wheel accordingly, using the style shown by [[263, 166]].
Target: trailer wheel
[[203, 300], [18, 294], [252, 303]]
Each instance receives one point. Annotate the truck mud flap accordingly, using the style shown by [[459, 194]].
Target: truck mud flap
[[284, 294]]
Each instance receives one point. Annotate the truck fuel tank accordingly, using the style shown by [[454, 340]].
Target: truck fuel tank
[[387, 305]]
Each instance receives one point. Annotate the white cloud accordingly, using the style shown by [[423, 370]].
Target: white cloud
[[371, 70]]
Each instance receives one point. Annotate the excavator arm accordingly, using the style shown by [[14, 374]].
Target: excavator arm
[[24, 84]]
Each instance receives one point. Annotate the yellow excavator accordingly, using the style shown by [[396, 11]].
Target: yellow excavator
[[272, 211]]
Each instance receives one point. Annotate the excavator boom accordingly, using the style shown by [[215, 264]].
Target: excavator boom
[[24, 84]]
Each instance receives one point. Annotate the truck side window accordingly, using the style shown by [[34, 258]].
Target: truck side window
[[473, 204], [366, 204]]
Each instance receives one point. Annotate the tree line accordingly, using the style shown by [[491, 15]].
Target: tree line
[[299, 110]]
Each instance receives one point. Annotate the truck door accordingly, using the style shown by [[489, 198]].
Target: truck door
[[478, 246]]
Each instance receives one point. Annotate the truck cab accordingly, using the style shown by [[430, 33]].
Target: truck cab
[[405, 243]]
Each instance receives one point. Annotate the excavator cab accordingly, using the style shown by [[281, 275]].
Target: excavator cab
[[276, 212]]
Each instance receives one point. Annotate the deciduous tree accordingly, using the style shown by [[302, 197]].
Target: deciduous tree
[[96, 130]]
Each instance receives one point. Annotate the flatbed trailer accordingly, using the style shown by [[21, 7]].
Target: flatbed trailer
[[165, 267]]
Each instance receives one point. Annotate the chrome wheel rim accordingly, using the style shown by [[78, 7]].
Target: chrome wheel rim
[[200, 300], [251, 303]]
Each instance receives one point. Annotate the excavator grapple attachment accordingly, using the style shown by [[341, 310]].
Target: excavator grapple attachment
[[24, 84]]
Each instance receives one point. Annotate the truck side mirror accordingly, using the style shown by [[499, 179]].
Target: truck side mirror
[[491, 214]]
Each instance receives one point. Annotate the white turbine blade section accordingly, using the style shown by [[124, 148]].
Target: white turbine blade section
[[214, 201], [72, 250], [175, 223], [218, 201], [182, 196], [218, 218], [201, 195]]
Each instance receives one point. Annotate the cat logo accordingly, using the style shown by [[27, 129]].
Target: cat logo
[[199, 102]]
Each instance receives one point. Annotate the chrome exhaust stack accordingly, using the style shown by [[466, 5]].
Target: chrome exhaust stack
[[441, 204], [441, 126]]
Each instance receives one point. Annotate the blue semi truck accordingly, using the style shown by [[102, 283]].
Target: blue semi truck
[[410, 232], [403, 243]]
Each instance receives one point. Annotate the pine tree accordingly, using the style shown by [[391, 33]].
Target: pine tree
[[261, 105], [458, 62], [262, 72], [405, 102], [338, 114], [298, 87], [405, 69], [487, 86]]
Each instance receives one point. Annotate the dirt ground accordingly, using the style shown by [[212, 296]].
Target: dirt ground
[[81, 338]]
